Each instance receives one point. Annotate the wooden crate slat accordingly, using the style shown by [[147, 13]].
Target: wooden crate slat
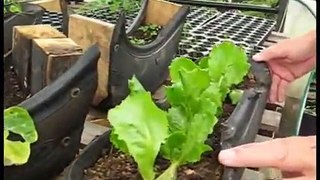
[[86, 32], [90, 131]]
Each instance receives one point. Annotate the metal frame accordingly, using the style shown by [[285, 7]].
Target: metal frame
[[280, 10]]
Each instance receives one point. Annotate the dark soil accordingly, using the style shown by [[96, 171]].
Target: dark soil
[[145, 34], [114, 165], [13, 93], [117, 166], [7, 15]]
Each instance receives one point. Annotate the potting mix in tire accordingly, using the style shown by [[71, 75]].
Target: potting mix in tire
[[13, 93]]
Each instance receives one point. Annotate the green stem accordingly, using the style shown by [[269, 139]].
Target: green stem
[[170, 173]]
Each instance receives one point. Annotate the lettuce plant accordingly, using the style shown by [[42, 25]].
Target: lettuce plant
[[17, 120], [143, 131]]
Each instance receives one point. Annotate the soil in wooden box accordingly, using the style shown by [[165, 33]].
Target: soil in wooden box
[[114, 165], [13, 92], [145, 34]]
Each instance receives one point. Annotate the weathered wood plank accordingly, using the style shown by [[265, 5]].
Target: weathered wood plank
[[90, 131], [260, 138], [249, 174], [94, 31], [279, 35], [50, 5], [22, 48], [50, 59], [267, 43], [156, 14], [270, 120], [276, 38], [271, 173]]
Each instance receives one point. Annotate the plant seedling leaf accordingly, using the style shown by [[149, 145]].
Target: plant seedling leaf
[[235, 96], [18, 121], [15, 152], [142, 126], [228, 61], [179, 64]]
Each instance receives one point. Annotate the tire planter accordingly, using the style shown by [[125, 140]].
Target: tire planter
[[59, 112], [240, 128], [148, 62], [243, 124], [31, 14]]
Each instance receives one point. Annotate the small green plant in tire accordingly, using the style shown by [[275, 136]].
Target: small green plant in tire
[[17, 120], [11, 6]]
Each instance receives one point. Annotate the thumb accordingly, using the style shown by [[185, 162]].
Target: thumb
[[276, 51], [287, 154]]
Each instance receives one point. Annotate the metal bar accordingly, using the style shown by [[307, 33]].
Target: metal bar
[[223, 5], [281, 15]]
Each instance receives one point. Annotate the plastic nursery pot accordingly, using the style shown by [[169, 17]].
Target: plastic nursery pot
[[59, 112], [240, 128], [148, 62], [31, 14]]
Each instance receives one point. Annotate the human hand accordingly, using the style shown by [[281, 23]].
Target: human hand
[[288, 60], [295, 156]]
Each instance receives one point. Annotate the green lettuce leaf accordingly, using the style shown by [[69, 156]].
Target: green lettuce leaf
[[18, 121], [142, 126], [228, 61], [196, 96], [235, 95], [15, 152]]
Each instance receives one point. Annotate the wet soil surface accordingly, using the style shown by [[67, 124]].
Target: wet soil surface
[[13, 93], [145, 34], [114, 165], [117, 166]]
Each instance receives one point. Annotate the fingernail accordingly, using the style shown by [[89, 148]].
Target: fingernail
[[227, 157], [257, 57]]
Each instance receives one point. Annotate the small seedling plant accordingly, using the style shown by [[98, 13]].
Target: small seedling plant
[[113, 5], [17, 120], [145, 34], [144, 131], [11, 7]]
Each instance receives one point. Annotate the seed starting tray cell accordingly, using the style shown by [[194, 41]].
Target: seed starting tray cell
[[245, 31], [107, 15], [204, 27], [53, 18]]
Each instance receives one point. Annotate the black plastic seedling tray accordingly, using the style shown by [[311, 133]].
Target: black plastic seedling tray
[[204, 28], [53, 18], [246, 31]]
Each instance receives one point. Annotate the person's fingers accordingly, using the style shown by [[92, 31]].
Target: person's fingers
[[281, 90], [288, 175], [278, 51], [299, 178], [295, 178], [288, 154], [304, 67], [274, 88]]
